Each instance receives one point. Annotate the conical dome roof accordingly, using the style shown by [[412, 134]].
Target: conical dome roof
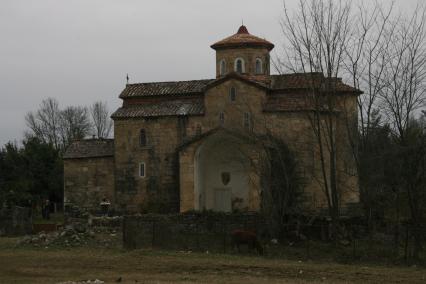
[[242, 39]]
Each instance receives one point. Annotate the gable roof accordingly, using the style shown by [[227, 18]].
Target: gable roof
[[164, 88], [90, 148]]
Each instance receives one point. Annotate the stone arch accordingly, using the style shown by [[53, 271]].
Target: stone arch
[[221, 175]]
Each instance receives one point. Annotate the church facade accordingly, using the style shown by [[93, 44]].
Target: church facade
[[188, 145]]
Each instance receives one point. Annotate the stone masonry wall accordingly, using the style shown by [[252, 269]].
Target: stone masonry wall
[[87, 181], [159, 189], [170, 188]]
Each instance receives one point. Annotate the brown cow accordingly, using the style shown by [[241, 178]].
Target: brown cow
[[249, 238]]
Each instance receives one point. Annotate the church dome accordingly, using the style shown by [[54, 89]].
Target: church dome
[[242, 39]]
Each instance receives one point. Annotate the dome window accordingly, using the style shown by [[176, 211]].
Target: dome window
[[259, 66], [239, 65], [222, 67]]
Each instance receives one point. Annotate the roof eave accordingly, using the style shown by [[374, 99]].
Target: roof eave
[[221, 46]]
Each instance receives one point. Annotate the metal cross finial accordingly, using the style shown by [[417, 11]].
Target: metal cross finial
[[127, 78]]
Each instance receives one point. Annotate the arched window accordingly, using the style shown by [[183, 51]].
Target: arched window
[[259, 66], [142, 138], [222, 67], [232, 94], [239, 65]]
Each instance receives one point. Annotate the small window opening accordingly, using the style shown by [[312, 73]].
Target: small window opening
[[142, 137], [259, 66], [142, 170], [232, 94], [222, 67], [221, 118], [247, 121]]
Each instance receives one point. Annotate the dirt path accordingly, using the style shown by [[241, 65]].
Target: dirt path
[[56, 265]]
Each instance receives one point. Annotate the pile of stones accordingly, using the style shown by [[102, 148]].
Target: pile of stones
[[71, 236], [75, 235]]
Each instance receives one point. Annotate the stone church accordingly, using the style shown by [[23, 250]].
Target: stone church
[[184, 145]]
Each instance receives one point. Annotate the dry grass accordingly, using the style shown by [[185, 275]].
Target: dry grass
[[27, 265]]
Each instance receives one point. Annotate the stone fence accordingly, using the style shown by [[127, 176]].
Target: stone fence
[[15, 221], [189, 231]]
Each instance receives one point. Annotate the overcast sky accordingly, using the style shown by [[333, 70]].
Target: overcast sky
[[79, 51]]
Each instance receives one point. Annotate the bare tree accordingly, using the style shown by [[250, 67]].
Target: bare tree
[[45, 122], [404, 91], [317, 34], [366, 58], [101, 120], [58, 127], [74, 125]]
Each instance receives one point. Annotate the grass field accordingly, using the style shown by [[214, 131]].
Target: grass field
[[53, 265]]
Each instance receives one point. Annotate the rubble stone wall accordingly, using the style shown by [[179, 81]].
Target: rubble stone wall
[[15, 221], [191, 231]]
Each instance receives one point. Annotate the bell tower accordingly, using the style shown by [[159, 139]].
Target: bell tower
[[243, 53]]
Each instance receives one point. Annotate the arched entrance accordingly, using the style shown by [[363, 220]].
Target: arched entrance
[[222, 173]]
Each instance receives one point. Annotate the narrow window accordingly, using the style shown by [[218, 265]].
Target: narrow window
[[222, 67], [142, 138], [142, 170], [239, 65], [259, 66], [232, 94], [247, 124], [221, 118]]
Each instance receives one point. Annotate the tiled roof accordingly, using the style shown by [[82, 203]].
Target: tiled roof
[[293, 102], [90, 148], [164, 88], [306, 80], [243, 39], [195, 87], [162, 108], [286, 102]]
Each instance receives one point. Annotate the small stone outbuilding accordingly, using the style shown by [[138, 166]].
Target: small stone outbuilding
[[179, 146]]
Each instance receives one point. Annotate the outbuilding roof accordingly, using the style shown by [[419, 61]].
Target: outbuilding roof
[[90, 148]]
